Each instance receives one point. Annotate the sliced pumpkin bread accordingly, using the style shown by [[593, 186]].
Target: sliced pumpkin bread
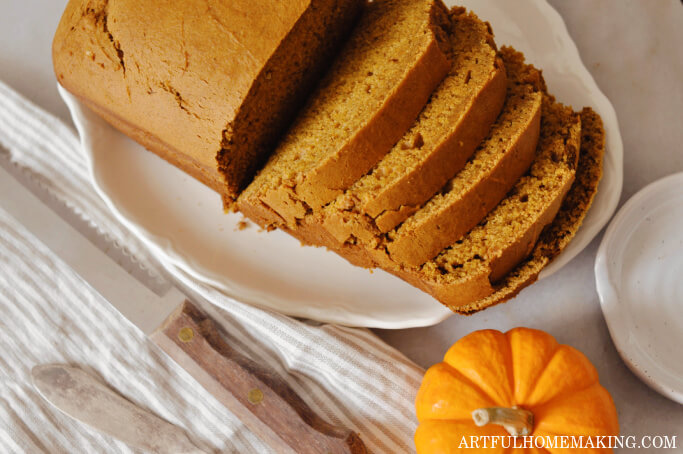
[[477, 266], [468, 269], [565, 225], [498, 163], [555, 238], [455, 120], [394, 59], [495, 167]]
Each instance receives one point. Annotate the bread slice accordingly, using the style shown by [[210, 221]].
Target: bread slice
[[468, 270], [456, 118], [207, 86], [565, 225], [498, 163], [376, 88]]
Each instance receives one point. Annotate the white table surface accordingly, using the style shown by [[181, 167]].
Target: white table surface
[[633, 49]]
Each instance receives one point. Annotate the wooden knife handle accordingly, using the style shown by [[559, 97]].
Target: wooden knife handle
[[266, 404]]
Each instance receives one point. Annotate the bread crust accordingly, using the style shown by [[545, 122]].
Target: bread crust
[[181, 76], [208, 176]]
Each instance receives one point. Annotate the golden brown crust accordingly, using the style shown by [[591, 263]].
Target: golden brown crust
[[183, 161], [182, 74]]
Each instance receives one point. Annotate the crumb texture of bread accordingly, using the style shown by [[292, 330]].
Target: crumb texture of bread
[[469, 297], [566, 224], [500, 160], [467, 270], [396, 56], [188, 79], [456, 118]]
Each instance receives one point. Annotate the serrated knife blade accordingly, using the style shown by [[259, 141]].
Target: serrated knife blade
[[264, 402], [135, 301]]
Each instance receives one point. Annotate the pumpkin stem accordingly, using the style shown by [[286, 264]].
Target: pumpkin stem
[[517, 421]]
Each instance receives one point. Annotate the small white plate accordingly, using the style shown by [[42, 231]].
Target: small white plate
[[639, 276], [183, 222]]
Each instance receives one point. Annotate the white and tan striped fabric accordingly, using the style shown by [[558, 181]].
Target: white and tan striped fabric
[[47, 314]]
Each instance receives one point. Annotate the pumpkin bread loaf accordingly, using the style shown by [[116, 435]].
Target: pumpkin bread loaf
[[374, 91], [456, 118], [468, 270], [209, 86], [497, 164], [560, 232]]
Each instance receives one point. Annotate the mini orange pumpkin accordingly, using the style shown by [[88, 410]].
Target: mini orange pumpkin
[[518, 383]]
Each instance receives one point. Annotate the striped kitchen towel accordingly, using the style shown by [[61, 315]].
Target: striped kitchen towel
[[47, 314]]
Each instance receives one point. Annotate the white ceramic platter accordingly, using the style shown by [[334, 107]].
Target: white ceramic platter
[[639, 275], [184, 222]]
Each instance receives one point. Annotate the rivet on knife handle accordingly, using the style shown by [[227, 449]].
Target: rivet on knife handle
[[259, 397], [186, 334]]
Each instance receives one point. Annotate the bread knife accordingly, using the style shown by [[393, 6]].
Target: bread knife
[[260, 398]]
